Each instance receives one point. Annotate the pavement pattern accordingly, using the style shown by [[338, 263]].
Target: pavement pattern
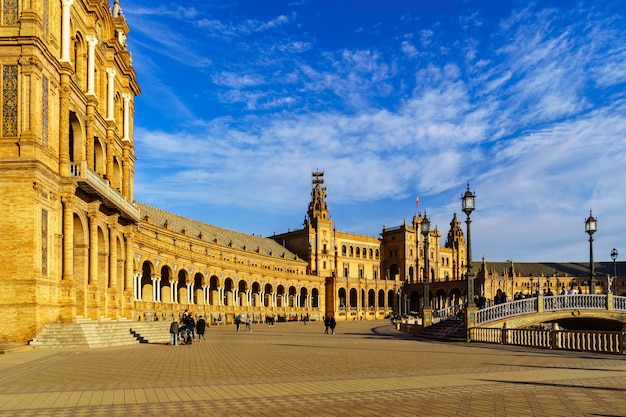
[[366, 369]]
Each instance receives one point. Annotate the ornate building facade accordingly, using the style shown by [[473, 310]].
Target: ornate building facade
[[66, 163], [76, 245]]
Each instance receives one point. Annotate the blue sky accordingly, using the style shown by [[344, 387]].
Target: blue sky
[[241, 100]]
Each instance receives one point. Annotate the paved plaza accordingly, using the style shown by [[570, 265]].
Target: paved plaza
[[366, 369]]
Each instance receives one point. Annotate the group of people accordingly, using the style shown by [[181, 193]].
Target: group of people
[[185, 332], [330, 323], [239, 320]]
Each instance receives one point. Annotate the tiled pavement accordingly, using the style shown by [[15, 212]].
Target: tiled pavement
[[366, 369]]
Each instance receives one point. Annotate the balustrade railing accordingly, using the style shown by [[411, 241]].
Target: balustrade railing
[[579, 340], [446, 313], [552, 303], [508, 309]]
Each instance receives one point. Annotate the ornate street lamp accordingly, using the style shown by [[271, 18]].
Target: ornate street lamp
[[530, 290], [590, 228], [467, 203], [426, 232], [614, 257]]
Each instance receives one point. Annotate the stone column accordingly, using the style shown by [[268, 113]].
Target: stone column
[[137, 287], [68, 238], [113, 252], [155, 284], [110, 93], [126, 97], [205, 295], [129, 269], [190, 293], [64, 125], [92, 41], [93, 244], [65, 30]]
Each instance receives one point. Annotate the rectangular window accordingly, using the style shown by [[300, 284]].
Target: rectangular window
[[9, 12], [9, 100], [44, 242], [46, 20], [44, 111]]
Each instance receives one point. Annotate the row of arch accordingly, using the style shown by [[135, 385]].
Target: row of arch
[[185, 287], [358, 252], [166, 285]]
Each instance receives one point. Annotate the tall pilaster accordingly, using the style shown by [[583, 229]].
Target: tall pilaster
[[110, 93], [113, 252], [64, 125], [65, 30], [126, 97], [68, 237], [93, 242], [92, 41]]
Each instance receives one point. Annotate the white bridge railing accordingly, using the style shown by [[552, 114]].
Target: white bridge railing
[[446, 313], [552, 303], [580, 340]]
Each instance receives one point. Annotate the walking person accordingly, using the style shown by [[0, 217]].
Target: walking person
[[332, 324], [248, 329], [326, 324], [174, 333], [200, 328], [191, 325], [238, 322]]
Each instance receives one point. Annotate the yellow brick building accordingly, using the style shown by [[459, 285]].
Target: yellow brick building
[[66, 164], [75, 243]]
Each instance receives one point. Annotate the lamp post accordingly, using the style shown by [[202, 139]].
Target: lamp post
[[614, 257], [538, 286], [590, 228], [467, 204], [530, 290], [426, 231]]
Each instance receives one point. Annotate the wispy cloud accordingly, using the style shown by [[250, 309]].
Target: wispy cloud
[[529, 109]]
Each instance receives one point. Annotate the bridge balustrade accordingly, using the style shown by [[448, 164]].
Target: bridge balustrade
[[445, 313], [508, 309], [619, 303], [552, 303], [579, 340], [578, 302]]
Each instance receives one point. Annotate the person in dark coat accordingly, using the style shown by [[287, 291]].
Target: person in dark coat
[[200, 328], [333, 323]]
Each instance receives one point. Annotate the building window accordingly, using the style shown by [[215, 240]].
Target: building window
[[9, 100], [9, 12], [44, 242], [44, 111]]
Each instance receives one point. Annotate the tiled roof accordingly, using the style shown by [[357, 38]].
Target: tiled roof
[[213, 234], [550, 268]]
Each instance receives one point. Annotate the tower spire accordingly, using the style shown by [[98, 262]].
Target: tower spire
[[318, 207]]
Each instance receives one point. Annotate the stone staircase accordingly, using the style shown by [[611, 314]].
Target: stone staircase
[[450, 330], [103, 333]]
